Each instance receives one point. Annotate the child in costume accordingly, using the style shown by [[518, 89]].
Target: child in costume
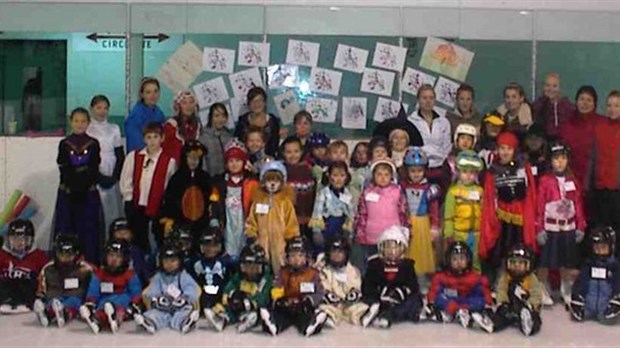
[[561, 222], [20, 265], [231, 198], [187, 194], [358, 167], [300, 179], [182, 235], [342, 283], [143, 267], [296, 294], [112, 157], [78, 206], [62, 283], [486, 146], [465, 136], [463, 205], [247, 291], [183, 127], [390, 287], [509, 210], [319, 157], [596, 292], [144, 179], [381, 205], [113, 288], [255, 141], [333, 207], [172, 297], [459, 292], [518, 293], [272, 219], [423, 204], [213, 268]]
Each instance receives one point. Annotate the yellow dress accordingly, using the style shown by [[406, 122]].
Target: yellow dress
[[421, 204]]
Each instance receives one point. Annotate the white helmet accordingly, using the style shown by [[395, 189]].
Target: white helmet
[[396, 233], [467, 129]]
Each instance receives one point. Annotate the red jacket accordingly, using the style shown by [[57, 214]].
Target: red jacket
[[549, 195], [578, 133], [552, 115], [28, 267], [606, 155], [173, 142], [451, 292]]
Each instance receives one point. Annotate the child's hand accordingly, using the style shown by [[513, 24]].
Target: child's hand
[[435, 232], [317, 238], [249, 167]]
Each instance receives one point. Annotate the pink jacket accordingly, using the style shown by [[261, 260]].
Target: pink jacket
[[559, 208], [378, 209]]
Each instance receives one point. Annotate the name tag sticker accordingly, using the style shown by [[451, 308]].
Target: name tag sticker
[[346, 199], [599, 273], [473, 195], [569, 186], [306, 288], [262, 208], [173, 291], [211, 289], [341, 277], [107, 287], [451, 292], [534, 170], [72, 283], [372, 197]]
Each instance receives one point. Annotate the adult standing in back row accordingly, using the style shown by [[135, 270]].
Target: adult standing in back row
[[143, 112], [258, 117]]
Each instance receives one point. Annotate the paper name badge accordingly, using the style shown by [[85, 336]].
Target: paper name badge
[[569, 186], [534, 170], [346, 199], [306, 288], [262, 208], [173, 291], [211, 289], [107, 287], [473, 195], [372, 197], [341, 277], [72, 283], [451, 292], [599, 273]]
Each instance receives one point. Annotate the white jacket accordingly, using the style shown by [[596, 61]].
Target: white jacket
[[437, 139]]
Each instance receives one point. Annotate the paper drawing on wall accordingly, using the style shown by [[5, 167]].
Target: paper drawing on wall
[[354, 113], [414, 79], [211, 91], [182, 68], [282, 75], [253, 54], [389, 57], [377, 82], [287, 106], [218, 60], [322, 110], [325, 81], [350, 58], [242, 81], [302, 53], [445, 90], [446, 58], [386, 109]]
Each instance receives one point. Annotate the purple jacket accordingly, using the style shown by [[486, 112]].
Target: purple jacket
[[552, 115]]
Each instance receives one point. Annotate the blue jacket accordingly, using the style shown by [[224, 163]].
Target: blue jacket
[[120, 289], [139, 117], [598, 282], [162, 285]]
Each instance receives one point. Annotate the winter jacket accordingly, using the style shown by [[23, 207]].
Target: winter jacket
[[597, 283], [139, 116], [559, 204], [578, 134], [378, 209], [552, 115], [450, 292]]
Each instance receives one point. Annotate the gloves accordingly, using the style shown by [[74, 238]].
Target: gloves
[[348, 226], [105, 181], [576, 307], [168, 223], [433, 313], [541, 238], [317, 238], [161, 302], [435, 232], [180, 302], [134, 309], [394, 295], [521, 293], [331, 298], [353, 295], [579, 235], [240, 302], [613, 308]]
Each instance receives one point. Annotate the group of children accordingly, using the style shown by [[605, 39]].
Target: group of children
[[311, 238]]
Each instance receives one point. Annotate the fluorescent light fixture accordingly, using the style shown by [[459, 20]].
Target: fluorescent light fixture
[[524, 13], [334, 8]]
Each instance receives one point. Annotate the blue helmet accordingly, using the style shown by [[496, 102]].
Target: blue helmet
[[273, 166], [318, 139], [415, 157]]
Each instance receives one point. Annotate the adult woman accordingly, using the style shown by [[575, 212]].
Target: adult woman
[[515, 110], [258, 117], [552, 109], [464, 111]]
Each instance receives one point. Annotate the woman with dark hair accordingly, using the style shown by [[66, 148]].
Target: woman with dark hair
[[214, 136], [184, 126], [142, 113], [258, 117]]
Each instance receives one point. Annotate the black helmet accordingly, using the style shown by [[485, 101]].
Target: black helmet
[[602, 235], [296, 244], [457, 248], [169, 250], [252, 255], [181, 232], [66, 244], [211, 235], [20, 228], [117, 246], [337, 244], [523, 253], [117, 225]]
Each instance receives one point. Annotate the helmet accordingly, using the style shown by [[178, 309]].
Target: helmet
[[337, 244], [468, 159], [66, 244], [296, 244], [520, 253], [211, 235], [415, 157], [318, 139], [397, 234], [390, 163], [168, 250], [117, 246], [466, 129], [457, 248], [252, 262], [20, 230], [117, 225], [558, 148], [602, 235], [273, 166], [181, 232]]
